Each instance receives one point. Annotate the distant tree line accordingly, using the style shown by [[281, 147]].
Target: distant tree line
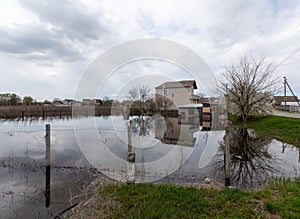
[[12, 99]]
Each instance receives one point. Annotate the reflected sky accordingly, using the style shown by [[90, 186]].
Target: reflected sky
[[164, 150]]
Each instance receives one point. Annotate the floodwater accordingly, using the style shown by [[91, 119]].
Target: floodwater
[[158, 148]]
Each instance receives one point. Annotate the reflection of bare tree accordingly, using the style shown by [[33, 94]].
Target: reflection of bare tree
[[251, 164], [284, 146], [141, 125]]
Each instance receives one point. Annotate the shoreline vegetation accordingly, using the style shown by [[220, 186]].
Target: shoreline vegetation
[[279, 199], [281, 128]]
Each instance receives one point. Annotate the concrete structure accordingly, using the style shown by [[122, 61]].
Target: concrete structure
[[171, 95]]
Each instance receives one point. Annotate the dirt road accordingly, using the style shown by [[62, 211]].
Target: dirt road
[[286, 114]]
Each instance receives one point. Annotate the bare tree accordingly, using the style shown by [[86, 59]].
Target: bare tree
[[248, 86], [140, 93], [144, 92], [133, 93], [141, 97]]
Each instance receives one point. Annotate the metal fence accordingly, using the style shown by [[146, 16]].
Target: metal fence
[[294, 109], [289, 108]]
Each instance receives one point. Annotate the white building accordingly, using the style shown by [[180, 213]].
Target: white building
[[171, 95]]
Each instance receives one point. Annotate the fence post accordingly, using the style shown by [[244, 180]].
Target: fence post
[[130, 158]]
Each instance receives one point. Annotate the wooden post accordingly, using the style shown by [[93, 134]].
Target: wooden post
[[130, 158], [129, 138], [299, 155]]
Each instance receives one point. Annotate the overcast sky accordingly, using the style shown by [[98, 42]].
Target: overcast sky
[[45, 46]]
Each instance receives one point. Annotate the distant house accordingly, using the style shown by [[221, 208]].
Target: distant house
[[86, 102], [57, 102], [68, 102], [171, 95], [96, 101]]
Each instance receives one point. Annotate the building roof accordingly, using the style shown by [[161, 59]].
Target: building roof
[[174, 84], [280, 99]]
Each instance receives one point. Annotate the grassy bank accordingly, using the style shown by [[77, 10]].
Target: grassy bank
[[280, 199], [281, 128]]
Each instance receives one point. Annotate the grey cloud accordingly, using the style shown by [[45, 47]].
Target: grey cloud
[[36, 42], [73, 20], [25, 39]]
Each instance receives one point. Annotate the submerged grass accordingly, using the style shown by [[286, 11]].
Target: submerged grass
[[280, 199], [281, 128]]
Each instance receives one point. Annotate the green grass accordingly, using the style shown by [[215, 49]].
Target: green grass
[[281, 128], [280, 199]]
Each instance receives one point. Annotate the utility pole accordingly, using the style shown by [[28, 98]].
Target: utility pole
[[284, 90], [287, 84]]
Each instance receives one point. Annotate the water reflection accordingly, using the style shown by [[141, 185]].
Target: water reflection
[[141, 125], [161, 147], [47, 189], [24, 176], [251, 163], [169, 131]]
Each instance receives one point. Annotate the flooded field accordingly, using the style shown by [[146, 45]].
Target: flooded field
[[158, 148]]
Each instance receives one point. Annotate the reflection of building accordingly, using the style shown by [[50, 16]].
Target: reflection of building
[[208, 116], [170, 95], [190, 113], [168, 131]]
